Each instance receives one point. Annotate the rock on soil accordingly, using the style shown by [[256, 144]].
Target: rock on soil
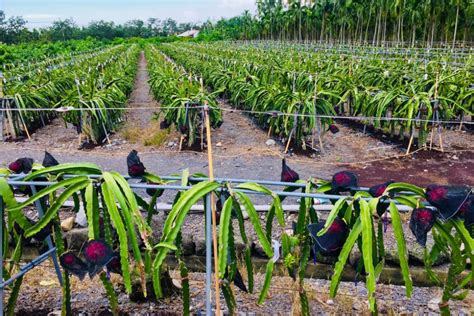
[[270, 142]]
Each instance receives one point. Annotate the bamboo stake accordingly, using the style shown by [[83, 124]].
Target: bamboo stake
[[318, 120], [462, 119], [1, 120], [10, 120], [181, 142], [432, 135], [441, 142], [440, 128], [289, 141], [295, 123], [269, 132], [436, 97], [24, 126], [412, 134], [213, 209], [319, 135], [81, 119]]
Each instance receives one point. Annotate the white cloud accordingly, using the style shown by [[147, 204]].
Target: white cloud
[[40, 16], [237, 4], [189, 15]]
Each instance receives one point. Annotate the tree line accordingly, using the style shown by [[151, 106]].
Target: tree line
[[13, 30], [373, 22]]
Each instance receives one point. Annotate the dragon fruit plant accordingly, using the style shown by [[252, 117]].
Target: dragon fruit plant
[[108, 190], [182, 97]]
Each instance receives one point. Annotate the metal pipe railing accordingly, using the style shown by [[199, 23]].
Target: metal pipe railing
[[179, 187], [27, 267], [208, 255], [220, 180]]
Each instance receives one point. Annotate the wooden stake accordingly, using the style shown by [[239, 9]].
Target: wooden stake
[[462, 119], [24, 126], [437, 113], [432, 135], [181, 142], [10, 120], [289, 141], [441, 141], [1, 120], [1, 84], [440, 128], [412, 134], [202, 125], [295, 124], [213, 209], [319, 135], [2, 113], [318, 120]]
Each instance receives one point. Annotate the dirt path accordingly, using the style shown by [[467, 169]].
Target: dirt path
[[140, 129], [41, 294], [141, 97]]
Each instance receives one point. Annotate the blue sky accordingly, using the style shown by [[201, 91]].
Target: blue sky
[[42, 12]]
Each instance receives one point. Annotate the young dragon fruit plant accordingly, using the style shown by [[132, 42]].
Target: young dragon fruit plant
[[108, 190], [182, 97]]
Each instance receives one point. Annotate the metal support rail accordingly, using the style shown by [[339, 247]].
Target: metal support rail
[[179, 187], [220, 180]]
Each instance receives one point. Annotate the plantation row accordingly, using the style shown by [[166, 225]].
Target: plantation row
[[314, 83], [93, 82], [357, 221], [359, 51], [182, 97], [11, 56], [20, 71], [292, 92]]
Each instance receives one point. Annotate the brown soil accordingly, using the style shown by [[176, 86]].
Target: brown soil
[[41, 294], [140, 97], [422, 168], [141, 129], [239, 136]]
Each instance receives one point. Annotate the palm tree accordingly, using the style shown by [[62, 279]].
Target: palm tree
[[345, 21]]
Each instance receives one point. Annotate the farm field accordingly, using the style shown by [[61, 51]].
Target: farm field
[[242, 135], [287, 170]]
